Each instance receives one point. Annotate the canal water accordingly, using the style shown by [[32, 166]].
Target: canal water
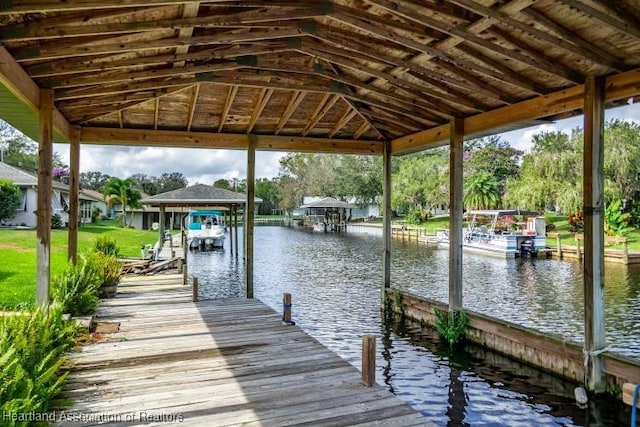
[[335, 281]]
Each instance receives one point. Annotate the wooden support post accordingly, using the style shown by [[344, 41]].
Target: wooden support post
[[286, 308], [625, 252], [161, 229], [235, 231], [248, 215], [185, 274], [559, 246], [368, 360], [195, 290], [455, 213], [74, 195], [231, 229], [593, 268], [180, 265], [45, 189], [386, 225], [578, 249]]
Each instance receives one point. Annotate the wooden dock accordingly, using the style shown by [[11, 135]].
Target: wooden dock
[[215, 363]]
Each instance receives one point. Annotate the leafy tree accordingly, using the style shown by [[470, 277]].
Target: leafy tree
[[616, 220], [145, 183], [122, 193], [421, 182], [551, 175], [494, 156], [481, 191], [93, 180], [359, 177], [171, 181], [622, 160], [222, 183], [21, 151], [267, 190], [10, 200]]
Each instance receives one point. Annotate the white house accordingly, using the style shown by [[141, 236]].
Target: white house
[[28, 183], [90, 200]]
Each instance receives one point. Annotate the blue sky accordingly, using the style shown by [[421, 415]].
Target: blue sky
[[206, 166]]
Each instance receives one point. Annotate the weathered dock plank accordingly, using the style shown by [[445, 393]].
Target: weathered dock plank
[[215, 363]]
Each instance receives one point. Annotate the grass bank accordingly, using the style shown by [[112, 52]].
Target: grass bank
[[18, 256]]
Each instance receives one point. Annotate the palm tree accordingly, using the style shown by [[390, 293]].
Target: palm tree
[[122, 193], [482, 191]]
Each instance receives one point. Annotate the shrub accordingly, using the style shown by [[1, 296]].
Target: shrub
[[32, 347], [576, 221], [56, 221], [76, 289], [106, 246], [451, 325], [95, 214], [108, 270], [616, 222]]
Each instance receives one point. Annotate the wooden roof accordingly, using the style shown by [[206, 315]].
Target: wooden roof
[[336, 76]]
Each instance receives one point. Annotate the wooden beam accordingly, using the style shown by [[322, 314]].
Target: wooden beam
[[185, 29], [74, 195], [192, 107], [248, 216], [456, 208], [83, 65], [55, 50], [430, 96], [593, 202], [180, 139], [37, 30], [156, 111], [263, 100], [18, 82], [233, 90], [361, 130], [326, 103], [387, 214], [408, 10], [619, 86], [455, 64], [295, 101], [346, 118], [47, 6], [45, 192], [605, 58], [606, 18]]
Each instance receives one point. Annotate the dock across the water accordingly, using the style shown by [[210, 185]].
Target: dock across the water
[[215, 363]]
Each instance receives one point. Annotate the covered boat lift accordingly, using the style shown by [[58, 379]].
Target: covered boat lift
[[327, 214], [369, 77]]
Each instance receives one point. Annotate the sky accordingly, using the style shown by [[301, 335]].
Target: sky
[[205, 166]]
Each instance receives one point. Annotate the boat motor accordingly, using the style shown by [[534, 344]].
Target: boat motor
[[528, 248]]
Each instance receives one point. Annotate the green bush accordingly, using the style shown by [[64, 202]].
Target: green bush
[[106, 246], [56, 221], [108, 269], [32, 348], [76, 289], [616, 221], [451, 325]]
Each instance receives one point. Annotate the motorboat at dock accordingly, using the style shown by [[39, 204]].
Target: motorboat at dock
[[505, 233], [205, 229]]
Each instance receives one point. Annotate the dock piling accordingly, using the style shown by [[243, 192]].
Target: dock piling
[[195, 289], [368, 360], [286, 309]]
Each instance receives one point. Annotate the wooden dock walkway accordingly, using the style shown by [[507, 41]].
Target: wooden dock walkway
[[215, 363]]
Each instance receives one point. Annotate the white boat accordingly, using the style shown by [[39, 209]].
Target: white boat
[[205, 229], [507, 233]]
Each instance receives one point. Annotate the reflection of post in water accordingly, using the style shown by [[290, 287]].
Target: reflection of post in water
[[459, 360], [387, 345]]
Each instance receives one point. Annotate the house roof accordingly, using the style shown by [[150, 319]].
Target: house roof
[[307, 75], [198, 195], [23, 178], [96, 196], [328, 202]]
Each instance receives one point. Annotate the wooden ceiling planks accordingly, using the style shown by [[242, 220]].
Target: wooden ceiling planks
[[344, 69]]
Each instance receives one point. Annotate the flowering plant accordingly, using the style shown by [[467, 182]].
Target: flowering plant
[[59, 172]]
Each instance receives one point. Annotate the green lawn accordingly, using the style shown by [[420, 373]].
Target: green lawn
[[18, 256]]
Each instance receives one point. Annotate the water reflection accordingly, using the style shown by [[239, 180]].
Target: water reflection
[[335, 282]]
